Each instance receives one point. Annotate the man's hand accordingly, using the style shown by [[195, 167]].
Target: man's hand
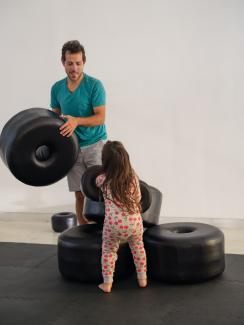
[[69, 126]]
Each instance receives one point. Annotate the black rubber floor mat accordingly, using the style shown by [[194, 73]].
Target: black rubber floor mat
[[32, 291]]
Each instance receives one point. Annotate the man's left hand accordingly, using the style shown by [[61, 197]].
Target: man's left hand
[[69, 126]]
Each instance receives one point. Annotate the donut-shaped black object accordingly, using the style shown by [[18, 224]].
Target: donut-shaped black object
[[152, 214], [33, 149], [94, 210], [79, 255], [88, 184], [184, 252], [63, 220], [146, 197]]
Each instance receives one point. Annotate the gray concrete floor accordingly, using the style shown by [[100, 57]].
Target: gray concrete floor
[[36, 228]]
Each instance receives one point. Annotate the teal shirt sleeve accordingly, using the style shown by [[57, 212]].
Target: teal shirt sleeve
[[54, 101], [98, 94]]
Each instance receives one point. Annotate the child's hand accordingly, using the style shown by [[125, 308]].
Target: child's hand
[[99, 180]]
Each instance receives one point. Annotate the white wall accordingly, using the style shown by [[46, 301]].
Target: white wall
[[173, 71]]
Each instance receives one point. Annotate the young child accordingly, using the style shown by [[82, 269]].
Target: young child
[[122, 195]]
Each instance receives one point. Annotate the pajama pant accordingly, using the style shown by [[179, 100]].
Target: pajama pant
[[130, 229]]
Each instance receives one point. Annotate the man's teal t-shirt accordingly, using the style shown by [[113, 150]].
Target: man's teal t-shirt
[[80, 103]]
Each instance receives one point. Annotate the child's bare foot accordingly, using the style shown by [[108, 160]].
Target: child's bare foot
[[142, 282], [106, 287]]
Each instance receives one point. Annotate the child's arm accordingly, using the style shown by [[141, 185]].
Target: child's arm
[[100, 180]]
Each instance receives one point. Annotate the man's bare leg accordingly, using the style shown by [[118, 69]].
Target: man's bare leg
[[79, 197]]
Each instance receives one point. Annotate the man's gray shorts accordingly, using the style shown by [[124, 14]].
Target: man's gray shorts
[[88, 156]]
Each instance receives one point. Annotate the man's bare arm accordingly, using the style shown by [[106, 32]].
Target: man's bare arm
[[72, 122], [97, 119]]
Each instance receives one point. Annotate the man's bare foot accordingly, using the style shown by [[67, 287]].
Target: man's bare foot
[[82, 221], [142, 282], [106, 287]]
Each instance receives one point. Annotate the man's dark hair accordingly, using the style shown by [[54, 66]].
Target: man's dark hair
[[73, 47]]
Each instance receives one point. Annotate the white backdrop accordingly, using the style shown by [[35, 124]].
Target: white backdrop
[[173, 72]]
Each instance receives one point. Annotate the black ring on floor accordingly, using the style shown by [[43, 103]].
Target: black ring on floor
[[184, 252]]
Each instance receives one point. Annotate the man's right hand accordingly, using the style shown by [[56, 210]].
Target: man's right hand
[[69, 126]]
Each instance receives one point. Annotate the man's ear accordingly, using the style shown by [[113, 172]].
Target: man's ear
[[83, 58], [63, 61]]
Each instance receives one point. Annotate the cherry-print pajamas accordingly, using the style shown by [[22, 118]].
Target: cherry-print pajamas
[[120, 225]]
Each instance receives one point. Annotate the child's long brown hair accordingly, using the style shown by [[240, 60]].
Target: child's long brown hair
[[120, 177]]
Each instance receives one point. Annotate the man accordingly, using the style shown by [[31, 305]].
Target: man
[[80, 100]]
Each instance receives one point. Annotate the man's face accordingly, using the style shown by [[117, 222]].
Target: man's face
[[73, 65]]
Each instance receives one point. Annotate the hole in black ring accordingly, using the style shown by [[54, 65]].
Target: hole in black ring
[[43, 153], [184, 230]]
